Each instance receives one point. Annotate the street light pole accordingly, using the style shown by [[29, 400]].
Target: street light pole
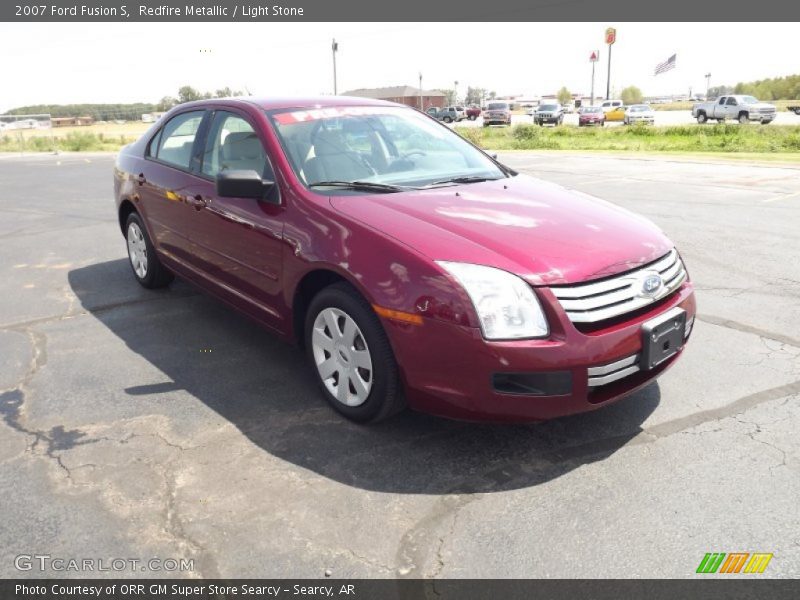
[[334, 48], [455, 93], [608, 80], [708, 83], [421, 106]]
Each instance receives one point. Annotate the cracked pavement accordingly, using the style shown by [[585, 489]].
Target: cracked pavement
[[122, 436]]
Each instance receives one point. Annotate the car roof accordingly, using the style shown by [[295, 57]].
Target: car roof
[[278, 102]]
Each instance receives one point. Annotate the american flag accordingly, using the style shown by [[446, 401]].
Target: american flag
[[666, 65]]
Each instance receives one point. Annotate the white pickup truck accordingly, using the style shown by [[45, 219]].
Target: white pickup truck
[[741, 108]]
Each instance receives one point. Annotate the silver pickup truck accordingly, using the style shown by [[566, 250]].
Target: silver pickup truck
[[741, 108]]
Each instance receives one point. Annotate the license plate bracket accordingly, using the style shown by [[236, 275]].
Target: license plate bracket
[[662, 337]]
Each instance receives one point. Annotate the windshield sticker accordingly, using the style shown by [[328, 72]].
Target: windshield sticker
[[315, 114]]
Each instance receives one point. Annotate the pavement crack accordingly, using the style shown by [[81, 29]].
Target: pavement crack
[[745, 328], [174, 528]]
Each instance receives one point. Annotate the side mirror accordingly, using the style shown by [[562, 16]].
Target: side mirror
[[243, 184]]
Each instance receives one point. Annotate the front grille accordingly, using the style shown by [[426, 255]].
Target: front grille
[[600, 300]]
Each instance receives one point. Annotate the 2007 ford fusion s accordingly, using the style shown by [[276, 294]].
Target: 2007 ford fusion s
[[412, 267]]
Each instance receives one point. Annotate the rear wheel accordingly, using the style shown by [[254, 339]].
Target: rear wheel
[[448, 120], [147, 269], [701, 118], [744, 118], [351, 355]]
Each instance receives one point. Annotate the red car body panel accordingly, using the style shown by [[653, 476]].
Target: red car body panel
[[256, 255]]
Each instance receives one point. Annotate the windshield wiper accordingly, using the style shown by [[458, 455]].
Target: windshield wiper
[[465, 179], [365, 186]]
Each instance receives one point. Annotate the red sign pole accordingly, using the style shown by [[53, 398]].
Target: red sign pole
[[593, 59]]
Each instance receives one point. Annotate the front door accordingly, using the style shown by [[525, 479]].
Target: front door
[[239, 240]]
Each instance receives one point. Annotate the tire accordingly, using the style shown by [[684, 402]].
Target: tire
[[701, 118], [472, 117], [744, 118], [379, 393], [142, 257], [766, 122], [447, 120]]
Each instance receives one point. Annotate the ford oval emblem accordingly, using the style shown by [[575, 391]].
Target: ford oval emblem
[[651, 284]]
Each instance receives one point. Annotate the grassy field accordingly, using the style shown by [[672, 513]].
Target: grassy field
[[718, 138], [97, 137]]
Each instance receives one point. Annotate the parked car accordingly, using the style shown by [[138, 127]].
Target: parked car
[[615, 113], [739, 107], [591, 115], [794, 109], [448, 114], [461, 111], [639, 113], [413, 268], [550, 113], [473, 112], [497, 113]]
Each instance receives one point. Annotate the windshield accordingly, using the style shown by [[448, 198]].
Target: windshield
[[548, 107], [749, 100], [497, 106], [377, 145], [639, 108], [591, 109]]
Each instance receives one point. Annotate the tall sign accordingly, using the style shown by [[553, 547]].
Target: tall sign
[[593, 59], [611, 38]]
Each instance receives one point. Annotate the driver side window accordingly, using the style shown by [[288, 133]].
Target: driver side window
[[233, 145]]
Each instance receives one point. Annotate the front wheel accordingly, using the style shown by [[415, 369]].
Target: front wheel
[[472, 117], [350, 353], [147, 269]]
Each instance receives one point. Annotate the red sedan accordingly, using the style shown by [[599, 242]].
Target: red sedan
[[415, 269], [591, 115]]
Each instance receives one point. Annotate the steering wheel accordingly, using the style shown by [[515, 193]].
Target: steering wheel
[[412, 153]]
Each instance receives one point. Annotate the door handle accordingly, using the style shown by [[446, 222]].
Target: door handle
[[197, 201], [141, 179]]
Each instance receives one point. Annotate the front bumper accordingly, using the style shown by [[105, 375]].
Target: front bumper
[[453, 372]]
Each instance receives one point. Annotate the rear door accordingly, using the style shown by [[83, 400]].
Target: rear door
[[239, 239], [164, 180], [731, 108]]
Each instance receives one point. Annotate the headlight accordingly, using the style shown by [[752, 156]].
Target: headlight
[[506, 305]]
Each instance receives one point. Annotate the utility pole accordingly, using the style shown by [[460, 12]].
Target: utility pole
[[455, 93], [334, 48], [708, 83], [421, 105]]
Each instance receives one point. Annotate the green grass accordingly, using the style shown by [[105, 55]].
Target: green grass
[[74, 141], [718, 138]]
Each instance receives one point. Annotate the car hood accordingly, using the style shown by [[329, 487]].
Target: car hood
[[761, 105], [538, 230]]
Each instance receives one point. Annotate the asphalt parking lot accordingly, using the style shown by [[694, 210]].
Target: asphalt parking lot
[[160, 424]]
